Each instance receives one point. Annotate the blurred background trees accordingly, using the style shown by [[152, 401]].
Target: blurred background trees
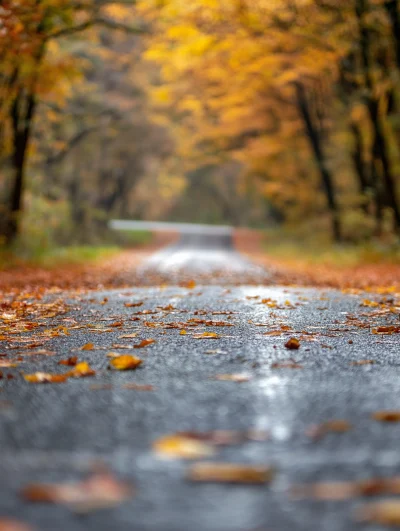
[[262, 112]]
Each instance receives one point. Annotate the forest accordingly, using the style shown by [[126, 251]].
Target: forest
[[258, 113]]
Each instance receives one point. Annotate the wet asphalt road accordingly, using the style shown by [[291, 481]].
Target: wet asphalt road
[[55, 432]]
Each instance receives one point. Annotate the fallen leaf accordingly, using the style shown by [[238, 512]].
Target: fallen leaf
[[238, 377], [292, 343], [230, 473], [88, 346], [81, 370], [363, 362], [386, 512], [145, 343], [329, 490], [71, 362], [207, 335], [44, 377], [191, 284], [99, 491], [128, 336], [7, 363], [386, 416], [180, 446], [125, 362], [133, 304], [331, 426], [386, 330], [286, 364], [100, 386], [13, 525], [138, 387]]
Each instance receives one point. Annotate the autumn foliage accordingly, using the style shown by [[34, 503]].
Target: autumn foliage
[[243, 112]]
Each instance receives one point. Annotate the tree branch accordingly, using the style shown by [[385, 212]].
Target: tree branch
[[111, 24]]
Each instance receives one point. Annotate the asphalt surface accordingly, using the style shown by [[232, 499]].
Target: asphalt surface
[[204, 252], [55, 432]]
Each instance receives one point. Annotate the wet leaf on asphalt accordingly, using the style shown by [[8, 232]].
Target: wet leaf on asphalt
[[181, 446], [71, 362], [99, 491], [44, 377], [331, 426], [387, 416], [385, 512], [138, 387], [286, 364], [292, 344], [237, 377], [125, 362], [88, 346], [6, 524], [207, 335], [81, 370], [211, 472], [145, 343]]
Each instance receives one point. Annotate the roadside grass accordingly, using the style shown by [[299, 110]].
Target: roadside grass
[[50, 257], [318, 250]]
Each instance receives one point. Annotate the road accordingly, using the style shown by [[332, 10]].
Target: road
[[55, 432]]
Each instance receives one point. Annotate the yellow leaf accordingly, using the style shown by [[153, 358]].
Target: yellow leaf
[[125, 363]]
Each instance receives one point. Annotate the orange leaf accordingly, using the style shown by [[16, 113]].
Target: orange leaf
[[292, 343], [81, 370], [125, 363], [145, 343], [88, 346], [178, 446], [44, 377], [99, 491], [387, 416]]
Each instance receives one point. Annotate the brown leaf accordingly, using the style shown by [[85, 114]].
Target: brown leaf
[[99, 491], [386, 512], [133, 304], [287, 364], [230, 473], [292, 343], [44, 377], [125, 362], [387, 416], [138, 387], [386, 330], [329, 490], [363, 362], [13, 525], [145, 343], [335, 426], [128, 336], [71, 362]]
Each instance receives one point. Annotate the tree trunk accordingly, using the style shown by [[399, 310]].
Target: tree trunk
[[22, 119], [393, 12], [316, 145], [380, 144]]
